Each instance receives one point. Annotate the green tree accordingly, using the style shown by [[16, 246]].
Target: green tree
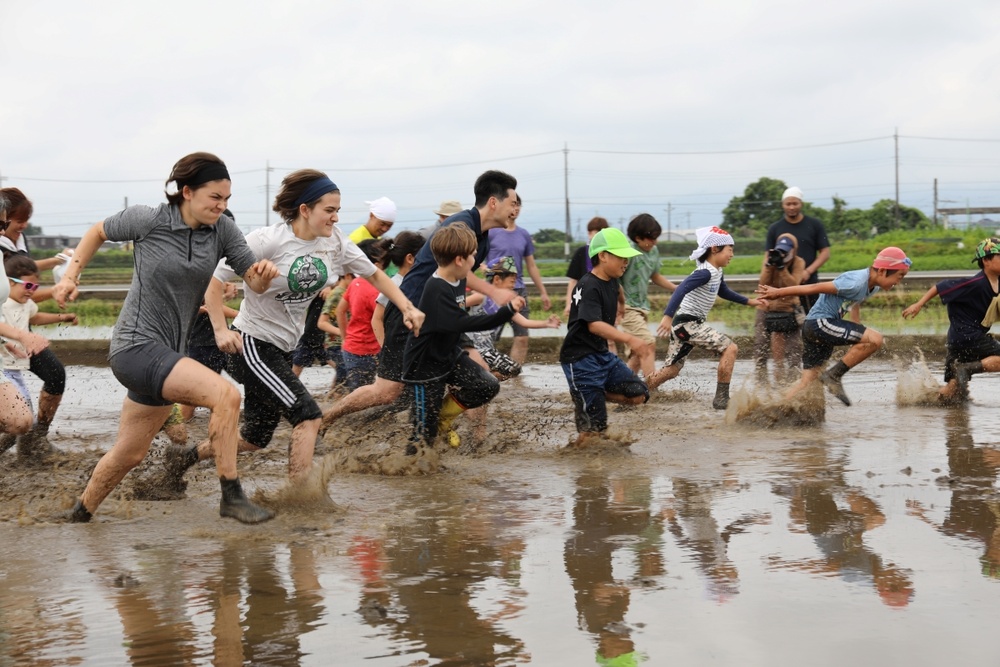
[[759, 206], [882, 217], [549, 236], [32, 230]]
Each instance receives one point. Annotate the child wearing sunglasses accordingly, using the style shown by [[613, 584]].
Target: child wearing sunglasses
[[22, 312]]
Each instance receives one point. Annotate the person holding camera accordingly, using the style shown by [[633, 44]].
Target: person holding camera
[[779, 324]]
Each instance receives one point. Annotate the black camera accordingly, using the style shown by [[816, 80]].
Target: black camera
[[775, 258]]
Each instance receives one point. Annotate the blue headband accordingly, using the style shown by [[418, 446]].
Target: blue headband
[[316, 189]]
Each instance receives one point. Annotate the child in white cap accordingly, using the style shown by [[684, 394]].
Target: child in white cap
[[825, 326], [684, 317]]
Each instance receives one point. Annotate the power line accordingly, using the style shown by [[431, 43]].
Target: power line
[[746, 150], [911, 136], [438, 166]]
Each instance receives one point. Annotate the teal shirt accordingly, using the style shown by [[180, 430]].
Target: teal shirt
[[637, 275]]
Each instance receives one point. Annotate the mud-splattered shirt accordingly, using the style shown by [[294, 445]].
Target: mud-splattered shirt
[[304, 268]]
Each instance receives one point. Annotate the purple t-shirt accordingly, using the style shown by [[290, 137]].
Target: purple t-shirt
[[514, 243]]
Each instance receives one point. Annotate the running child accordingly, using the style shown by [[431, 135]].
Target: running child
[[596, 375], [22, 312], [643, 232], [973, 307], [402, 254], [327, 323], [435, 363], [684, 317], [825, 326], [359, 349], [501, 274]]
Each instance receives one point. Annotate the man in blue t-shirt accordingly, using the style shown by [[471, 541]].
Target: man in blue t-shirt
[[973, 306], [825, 326]]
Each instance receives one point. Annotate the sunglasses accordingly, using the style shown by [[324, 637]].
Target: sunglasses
[[31, 287]]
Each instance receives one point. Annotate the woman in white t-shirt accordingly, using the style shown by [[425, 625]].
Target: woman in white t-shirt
[[310, 252]]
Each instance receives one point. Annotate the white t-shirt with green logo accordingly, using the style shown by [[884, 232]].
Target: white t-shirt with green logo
[[304, 268]]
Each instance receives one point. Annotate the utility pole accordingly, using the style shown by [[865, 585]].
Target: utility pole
[[569, 231], [935, 203], [895, 138], [670, 207], [126, 202]]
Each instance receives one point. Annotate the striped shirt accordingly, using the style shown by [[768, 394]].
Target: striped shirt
[[695, 296]]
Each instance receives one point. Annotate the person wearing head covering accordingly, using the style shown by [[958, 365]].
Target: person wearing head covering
[[502, 273], [811, 246], [780, 336], [973, 306], [596, 375], [683, 322], [825, 326], [381, 217]]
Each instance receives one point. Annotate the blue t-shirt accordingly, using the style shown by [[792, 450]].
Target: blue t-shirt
[[424, 265], [852, 288]]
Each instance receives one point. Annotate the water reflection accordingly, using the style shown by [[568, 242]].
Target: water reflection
[[837, 516], [612, 518], [975, 507], [697, 532], [450, 578]]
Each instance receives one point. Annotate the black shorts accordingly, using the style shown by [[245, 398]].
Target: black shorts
[[819, 337], [208, 355], [390, 359], [271, 390], [977, 350], [143, 369]]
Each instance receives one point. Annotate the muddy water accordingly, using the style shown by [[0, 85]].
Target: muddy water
[[868, 537]]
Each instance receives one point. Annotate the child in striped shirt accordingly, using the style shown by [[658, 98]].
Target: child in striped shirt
[[684, 318]]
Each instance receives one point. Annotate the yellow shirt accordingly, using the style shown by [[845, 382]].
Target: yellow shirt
[[360, 234]]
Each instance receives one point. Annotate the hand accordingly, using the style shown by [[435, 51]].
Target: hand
[[554, 322], [806, 276], [229, 341], [566, 311], [33, 343], [65, 290], [666, 325], [504, 296], [413, 319], [546, 302], [757, 303], [641, 347], [767, 292], [517, 304], [264, 270], [15, 350], [70, 318], [912, 311]]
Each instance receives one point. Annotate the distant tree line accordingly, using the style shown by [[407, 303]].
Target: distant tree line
[[760, 205]]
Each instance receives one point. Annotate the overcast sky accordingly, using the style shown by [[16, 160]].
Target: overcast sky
[[413, 100]]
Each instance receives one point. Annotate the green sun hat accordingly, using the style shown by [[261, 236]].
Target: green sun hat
[[987, 247], [501, 267], [613, 241]]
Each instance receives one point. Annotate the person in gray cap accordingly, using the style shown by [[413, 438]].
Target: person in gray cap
[[448, 208]]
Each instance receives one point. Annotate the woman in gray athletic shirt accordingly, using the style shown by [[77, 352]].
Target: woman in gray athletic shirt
[[177, 246]]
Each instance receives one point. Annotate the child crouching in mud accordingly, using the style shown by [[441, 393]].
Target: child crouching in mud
[[825, 326], [594, 374], [973, 306]]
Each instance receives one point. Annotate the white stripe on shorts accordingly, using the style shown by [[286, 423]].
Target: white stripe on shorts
[[264, 372]]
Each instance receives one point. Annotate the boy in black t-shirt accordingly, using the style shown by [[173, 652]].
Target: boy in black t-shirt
[[973, 306], [594, 374], [434, 361]]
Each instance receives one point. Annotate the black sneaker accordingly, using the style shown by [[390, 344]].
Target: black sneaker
[[834, 386], [720, 402]]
